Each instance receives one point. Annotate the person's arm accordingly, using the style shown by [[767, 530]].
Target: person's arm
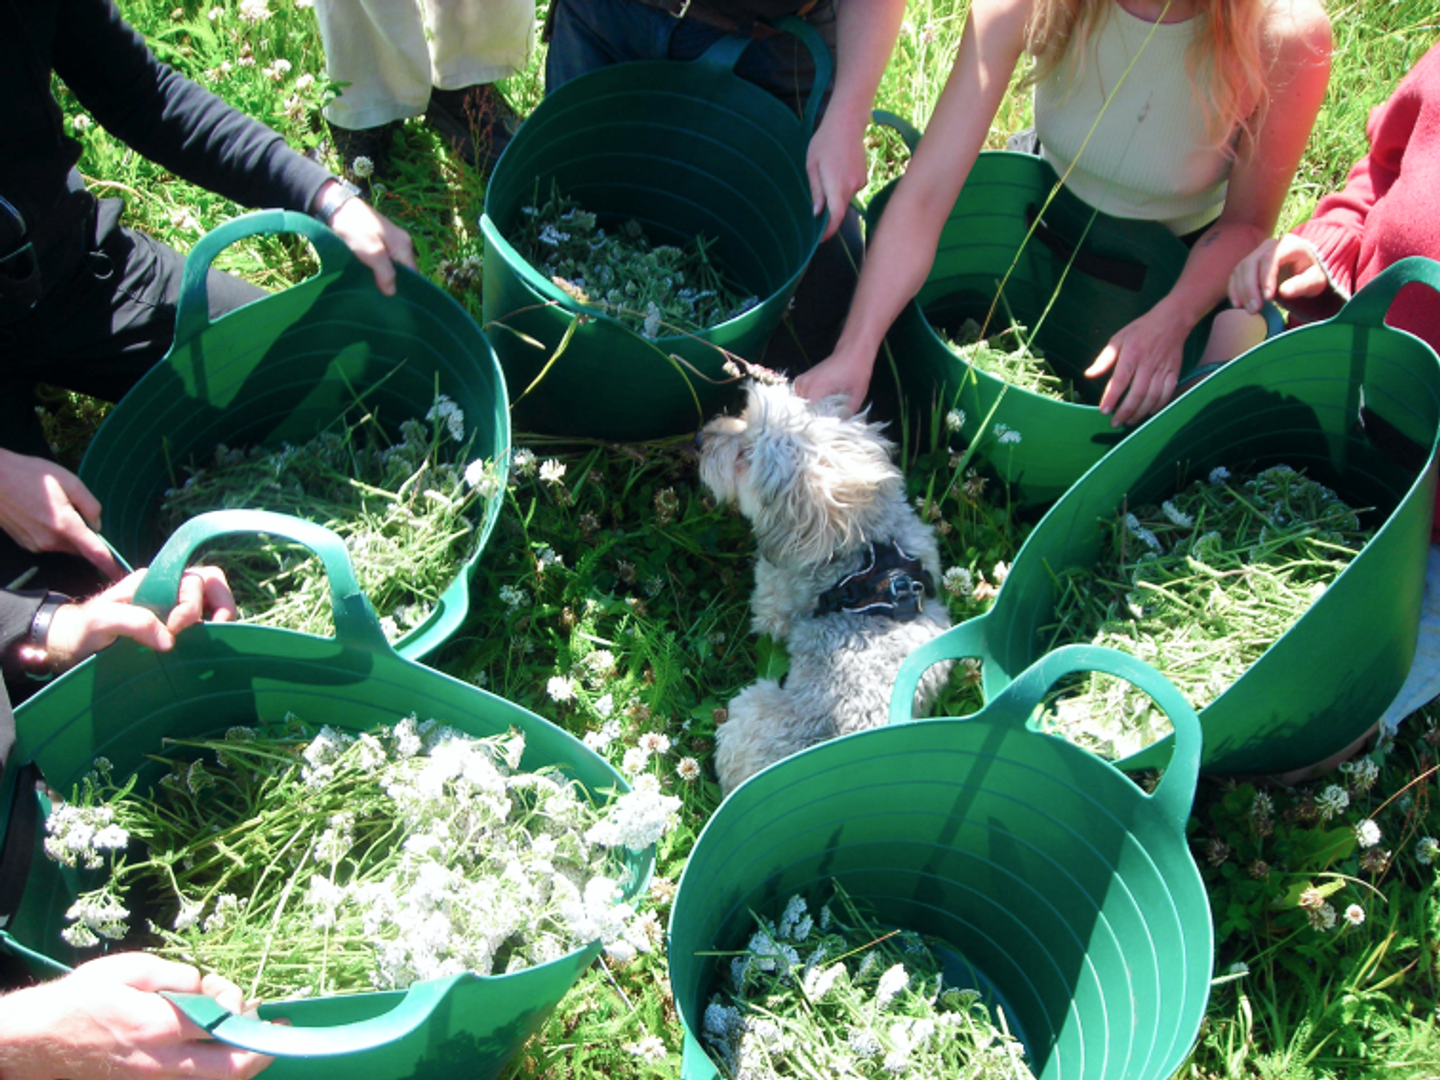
[[865, 34], [1144, 357], [179, 124], [899, 257], [107, 1021], [44, 507], [1315, 268]]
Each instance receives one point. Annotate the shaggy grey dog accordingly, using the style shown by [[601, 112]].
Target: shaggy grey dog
[[841, 576]]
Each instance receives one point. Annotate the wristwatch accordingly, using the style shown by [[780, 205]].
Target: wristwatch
[[28, 651], [334, 195]]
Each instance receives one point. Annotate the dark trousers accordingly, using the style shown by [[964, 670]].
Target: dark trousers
[[96, 331], [587, 35]]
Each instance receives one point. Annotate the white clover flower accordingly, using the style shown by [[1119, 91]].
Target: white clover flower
[[891, 983], [1321, 918], [560, 688], [688, 769], [1368, 833], [653, 742], [305, 82], [1355, 915], [635, 760], [1009, 438], [1238, 968], [80, 123], [254, 11], [1000, 572], [512, 596], [1333, 800], [552, 471], [522, 462], [650, 1048], [604, 706], [958, 581], [1363, 773], [546, 558], [1426, 849], [954, 420]]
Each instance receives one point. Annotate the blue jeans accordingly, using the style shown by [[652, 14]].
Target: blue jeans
[[587, 35]]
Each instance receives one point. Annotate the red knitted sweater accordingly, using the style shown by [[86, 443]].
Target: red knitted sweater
[[1387, 209]]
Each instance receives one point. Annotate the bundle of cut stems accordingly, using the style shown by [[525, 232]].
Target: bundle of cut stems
[[1199, 587]]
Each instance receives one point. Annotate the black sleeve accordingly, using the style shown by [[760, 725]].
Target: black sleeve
[[173, 121], [17, 610]]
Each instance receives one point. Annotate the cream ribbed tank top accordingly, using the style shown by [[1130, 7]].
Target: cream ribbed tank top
[[1148, 157]]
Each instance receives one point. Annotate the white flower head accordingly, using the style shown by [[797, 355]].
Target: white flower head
[[552, 471], [444, 409], [522, 462], [954, 420], [1426, 850], [958, 581], [1333, 800], [560, 688], [891, 983], [1368, 833], [1355, 915], [688, 769], [254, 11]]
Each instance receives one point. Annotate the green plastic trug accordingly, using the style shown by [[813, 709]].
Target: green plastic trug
[[1355, 405], [124, 702], [685, 149], [1061, 891], [1077, 301], [282, 368]]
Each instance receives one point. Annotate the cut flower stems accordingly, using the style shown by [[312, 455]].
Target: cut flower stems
[[407, 512], [1199, 587], [300, 863], [1009, 357], [832, 993], [658, 290]]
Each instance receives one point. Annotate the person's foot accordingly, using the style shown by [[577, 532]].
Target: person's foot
[[364, 152], [477, 120]]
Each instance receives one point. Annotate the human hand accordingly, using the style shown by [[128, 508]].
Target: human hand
[[44, 507], [1287, 267], [107, 1021], [837, 375], [376, 241], [835, 163], [1144, 360], [80, 630]]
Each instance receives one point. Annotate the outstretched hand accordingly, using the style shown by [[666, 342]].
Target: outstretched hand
[[107, 1021], [835, 163], [376, 241], [79, 630], [836, 375], [1143, 360], [1287, 268], [44, 507]]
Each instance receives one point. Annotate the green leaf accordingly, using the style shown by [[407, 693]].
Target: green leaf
[[772, 661]]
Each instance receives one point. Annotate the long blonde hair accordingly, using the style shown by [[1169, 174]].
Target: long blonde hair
[[1226, 61]]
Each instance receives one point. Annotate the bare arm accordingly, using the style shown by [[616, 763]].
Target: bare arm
[[865, 37], [1145, 356], [903, 250]]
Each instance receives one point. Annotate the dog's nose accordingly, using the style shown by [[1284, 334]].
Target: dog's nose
[[699, 440]]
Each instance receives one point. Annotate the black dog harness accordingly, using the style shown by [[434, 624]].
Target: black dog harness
[[890, 583]]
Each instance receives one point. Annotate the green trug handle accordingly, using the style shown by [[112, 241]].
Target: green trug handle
[[726, 52], [908, 132], [192, 313], [967, 639], [1369, 306], [280, 1040], [355, 621]]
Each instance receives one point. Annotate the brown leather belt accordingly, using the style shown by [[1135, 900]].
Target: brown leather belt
[[691, 9]]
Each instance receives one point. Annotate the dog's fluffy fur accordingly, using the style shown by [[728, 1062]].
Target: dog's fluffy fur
[[817, 486]]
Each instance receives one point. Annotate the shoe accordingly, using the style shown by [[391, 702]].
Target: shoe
[[364, 152], [477, 120]]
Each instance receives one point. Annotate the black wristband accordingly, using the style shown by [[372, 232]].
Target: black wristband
[[44, 615]]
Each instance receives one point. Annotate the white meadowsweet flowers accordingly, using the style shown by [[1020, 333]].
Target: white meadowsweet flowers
[[895, 979], [444, 410], [636, 819]]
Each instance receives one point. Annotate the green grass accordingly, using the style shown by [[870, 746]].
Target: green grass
[[628, 579]]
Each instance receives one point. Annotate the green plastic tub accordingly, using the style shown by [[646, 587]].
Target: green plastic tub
[[686, 149], [1061, 891], [282, 368], [1075, 273], [122, 702], [1352, 403]]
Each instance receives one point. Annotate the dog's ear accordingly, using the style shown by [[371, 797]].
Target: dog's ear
[[826, 485]]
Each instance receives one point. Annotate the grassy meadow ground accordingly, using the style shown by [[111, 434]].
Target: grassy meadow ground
[[627, 557]]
